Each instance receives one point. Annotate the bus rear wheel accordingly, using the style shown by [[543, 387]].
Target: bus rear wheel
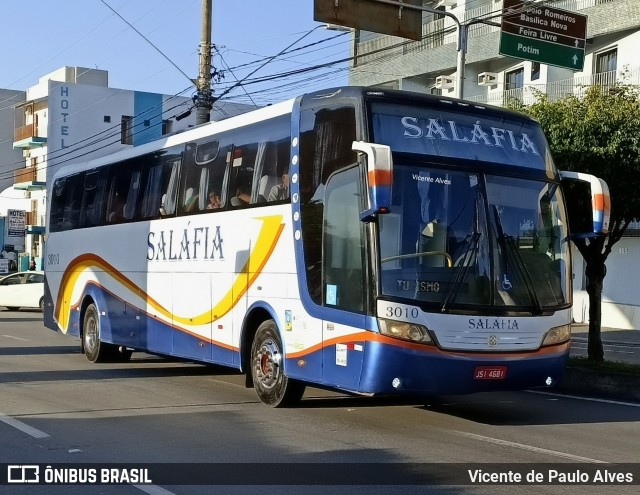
[[273, 387], [95, 350]]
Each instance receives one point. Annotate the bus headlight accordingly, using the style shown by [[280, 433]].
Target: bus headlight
[[557, 335], [404, 330]]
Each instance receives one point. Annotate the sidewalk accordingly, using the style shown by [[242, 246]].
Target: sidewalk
[[615, 386], [580, 332]]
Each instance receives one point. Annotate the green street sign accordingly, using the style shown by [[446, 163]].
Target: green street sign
[[543, 34], [541, 51]]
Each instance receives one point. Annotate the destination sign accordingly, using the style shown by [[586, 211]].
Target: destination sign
[[543, 34]]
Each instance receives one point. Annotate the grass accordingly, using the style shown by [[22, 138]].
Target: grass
[[604, 366]]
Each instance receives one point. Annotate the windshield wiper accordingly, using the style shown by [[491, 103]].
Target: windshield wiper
[[508, 245], [469, 253]]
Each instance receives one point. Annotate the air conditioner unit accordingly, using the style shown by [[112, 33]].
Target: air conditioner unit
[[444, 82], [26, 153], [487, 79]]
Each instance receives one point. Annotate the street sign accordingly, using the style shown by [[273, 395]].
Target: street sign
[[543, 34], [370, 15]]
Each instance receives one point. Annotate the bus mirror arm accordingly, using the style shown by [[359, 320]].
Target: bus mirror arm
[[379, 178]]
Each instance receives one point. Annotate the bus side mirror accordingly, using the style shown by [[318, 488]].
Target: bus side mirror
[[588, 204], [379, 178]]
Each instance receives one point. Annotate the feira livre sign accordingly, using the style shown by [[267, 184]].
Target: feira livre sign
[[543, 34]]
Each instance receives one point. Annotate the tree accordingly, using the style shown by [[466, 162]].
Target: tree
[[598, 134]]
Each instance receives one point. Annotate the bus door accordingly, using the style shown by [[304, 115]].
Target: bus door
[[344, 286]]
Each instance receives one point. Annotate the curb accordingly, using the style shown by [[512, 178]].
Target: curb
[[621, 386]]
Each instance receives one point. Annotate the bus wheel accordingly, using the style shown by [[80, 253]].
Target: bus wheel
[[274, 388], [95, 350]]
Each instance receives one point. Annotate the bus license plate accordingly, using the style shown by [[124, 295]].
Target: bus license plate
[[490, 372]]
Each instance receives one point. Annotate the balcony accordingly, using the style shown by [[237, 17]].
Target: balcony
[[556, 90], [26, 137], [26, 179]]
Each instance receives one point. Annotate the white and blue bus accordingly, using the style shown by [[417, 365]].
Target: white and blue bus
[[375, 242]]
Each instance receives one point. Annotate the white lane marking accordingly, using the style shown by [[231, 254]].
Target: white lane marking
[[523, 446], [153, 490], [16, 338], [588, 399], [23, 427]]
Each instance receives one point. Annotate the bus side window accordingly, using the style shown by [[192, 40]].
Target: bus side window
[[260, 151], [200, 169], [66, 202], [93, 198], [268, 171], [159, 185], [124, 185]]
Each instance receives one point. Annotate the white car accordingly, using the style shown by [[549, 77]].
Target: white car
[[22, 290]]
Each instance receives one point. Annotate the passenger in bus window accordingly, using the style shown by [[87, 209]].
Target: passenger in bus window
[[215, 201], [242, 197], [280, 191], [117, 206]]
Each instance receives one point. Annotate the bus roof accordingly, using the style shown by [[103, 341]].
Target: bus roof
[[337, 93], [179, 138]]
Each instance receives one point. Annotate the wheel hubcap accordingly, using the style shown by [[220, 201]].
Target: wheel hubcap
[[90, 334], [267, 364]]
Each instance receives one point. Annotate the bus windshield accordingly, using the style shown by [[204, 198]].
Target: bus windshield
[[458, 238]]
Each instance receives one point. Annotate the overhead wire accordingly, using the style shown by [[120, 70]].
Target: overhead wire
[[284, 87]]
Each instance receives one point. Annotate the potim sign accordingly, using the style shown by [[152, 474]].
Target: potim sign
[[543, 34]]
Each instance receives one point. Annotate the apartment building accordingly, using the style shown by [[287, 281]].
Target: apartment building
[[429, 66]]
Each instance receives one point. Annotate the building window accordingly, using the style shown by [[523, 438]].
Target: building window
[[435, 91], [607, 61], [126, 129], [535, 71], [513, 84], [514, 79], [166, 127]]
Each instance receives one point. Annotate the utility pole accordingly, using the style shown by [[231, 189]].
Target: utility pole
[[204, 101]]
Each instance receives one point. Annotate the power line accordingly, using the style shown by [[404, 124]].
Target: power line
[[147, 40]]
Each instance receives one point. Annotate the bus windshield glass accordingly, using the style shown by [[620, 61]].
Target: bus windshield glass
[[458, 239]]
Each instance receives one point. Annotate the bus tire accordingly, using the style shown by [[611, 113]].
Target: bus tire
[[273, 387], [95, 350]]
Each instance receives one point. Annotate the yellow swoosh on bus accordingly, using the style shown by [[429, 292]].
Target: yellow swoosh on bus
[[268, 236]]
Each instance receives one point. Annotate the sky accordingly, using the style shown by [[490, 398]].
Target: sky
[[41, 36]]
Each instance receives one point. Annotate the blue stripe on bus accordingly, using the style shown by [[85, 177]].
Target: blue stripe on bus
[[378, 366]]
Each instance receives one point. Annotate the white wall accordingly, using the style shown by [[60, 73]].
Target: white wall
[[9, 158]]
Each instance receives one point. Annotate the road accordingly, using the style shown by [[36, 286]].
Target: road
[[56, 408]]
